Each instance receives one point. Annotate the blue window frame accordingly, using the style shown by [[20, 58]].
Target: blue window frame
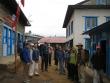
[[101, 2], [4, 36], [90, 22], [107, 18], [13, 42], [8, 41], [4, 41]]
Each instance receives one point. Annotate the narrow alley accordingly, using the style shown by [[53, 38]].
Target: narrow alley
[[54, 41]]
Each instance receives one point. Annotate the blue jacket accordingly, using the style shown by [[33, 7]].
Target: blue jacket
[[35, 55], [60, 55], [26, 55]]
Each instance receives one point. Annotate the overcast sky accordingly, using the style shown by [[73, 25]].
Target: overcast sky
[[47, 16]]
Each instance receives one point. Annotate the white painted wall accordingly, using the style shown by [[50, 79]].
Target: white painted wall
[[79, 22]]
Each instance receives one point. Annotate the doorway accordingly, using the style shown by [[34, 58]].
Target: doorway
[[103, 49]]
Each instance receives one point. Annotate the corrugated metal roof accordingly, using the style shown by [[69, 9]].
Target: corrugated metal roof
[[52, 40]]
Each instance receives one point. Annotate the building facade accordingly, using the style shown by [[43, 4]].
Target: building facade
[[83, 17], [100, 37], [7, 34]]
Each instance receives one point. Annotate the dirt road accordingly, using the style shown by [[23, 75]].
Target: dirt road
[[52, 76]]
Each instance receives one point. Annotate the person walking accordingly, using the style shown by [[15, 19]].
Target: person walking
[[45, 57], [50, 54], [67, 64], [83, 78], [31, 67], [97, 62], [73, 65], [26, 62], [61, 60], [35, 57], [56, 56]]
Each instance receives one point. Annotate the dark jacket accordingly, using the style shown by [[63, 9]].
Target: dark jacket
[[35, 55], [60, 55], [41, 50], [97, 61], [67, 56], [45, 49]]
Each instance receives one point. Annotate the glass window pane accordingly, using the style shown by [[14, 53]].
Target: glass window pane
[[71, 27], [9, 33], [91, 22], [4, 32], [101, 2]]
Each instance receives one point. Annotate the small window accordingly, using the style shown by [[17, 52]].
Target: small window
[[90, 22], [66, 32], [69, 32], [71, 27]]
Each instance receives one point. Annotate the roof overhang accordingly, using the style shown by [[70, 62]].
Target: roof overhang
[[12, 5], [99, 28], [82, 2], [71, 9]]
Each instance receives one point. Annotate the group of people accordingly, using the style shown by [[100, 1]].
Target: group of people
[[30, 54], [71, 59]]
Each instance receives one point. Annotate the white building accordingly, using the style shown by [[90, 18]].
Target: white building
[[82, 17]]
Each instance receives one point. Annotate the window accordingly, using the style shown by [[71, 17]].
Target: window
[[4, 35], [90, 22], [13, 42], [101, 2], [107, 19], [8, 41], [66, 32], [71, 27], [69, 31]]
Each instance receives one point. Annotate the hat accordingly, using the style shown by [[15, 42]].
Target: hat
[[79, 44], [31, 44]]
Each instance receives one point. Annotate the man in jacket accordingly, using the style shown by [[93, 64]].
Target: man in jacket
[[26, 61]]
